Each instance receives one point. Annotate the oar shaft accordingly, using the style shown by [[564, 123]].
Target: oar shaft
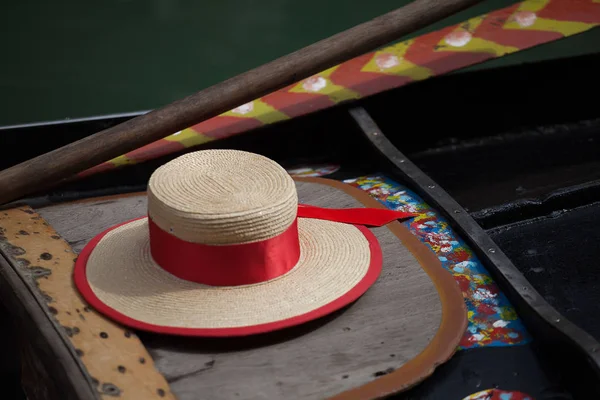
[[75, 157]]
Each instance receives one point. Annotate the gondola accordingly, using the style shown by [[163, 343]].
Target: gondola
[[502, 167]]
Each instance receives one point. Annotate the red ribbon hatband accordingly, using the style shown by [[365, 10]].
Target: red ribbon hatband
[[243, 264]]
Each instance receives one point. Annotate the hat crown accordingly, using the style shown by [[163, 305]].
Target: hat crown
[[221, 197]]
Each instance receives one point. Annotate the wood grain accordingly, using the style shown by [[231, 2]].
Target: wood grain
[[115, 362], [454, 311], [61, 163], [399, 325]]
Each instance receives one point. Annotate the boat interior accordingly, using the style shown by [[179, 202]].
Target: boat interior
[[509, 156]]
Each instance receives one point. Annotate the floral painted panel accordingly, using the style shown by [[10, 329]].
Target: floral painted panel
[[492, 319]]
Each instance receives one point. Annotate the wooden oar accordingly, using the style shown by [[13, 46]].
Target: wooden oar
[[51, 168]]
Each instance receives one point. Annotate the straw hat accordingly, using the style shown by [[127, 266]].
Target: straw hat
[[225, 251]]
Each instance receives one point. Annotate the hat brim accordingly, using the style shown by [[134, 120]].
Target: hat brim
[[116, 274]]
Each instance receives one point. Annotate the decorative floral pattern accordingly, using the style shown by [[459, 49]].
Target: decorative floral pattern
[[244, 108], [458, 38], [387, 60], [525, 18], [492, 320], [314, 83], [497, 394]]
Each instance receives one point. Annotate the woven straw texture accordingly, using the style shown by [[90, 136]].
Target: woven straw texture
[[221, 197], [334, 258]]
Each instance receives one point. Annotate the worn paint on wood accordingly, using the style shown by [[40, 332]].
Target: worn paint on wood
[[116, 360]]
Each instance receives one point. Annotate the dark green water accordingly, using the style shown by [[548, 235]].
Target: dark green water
[[69, 59]]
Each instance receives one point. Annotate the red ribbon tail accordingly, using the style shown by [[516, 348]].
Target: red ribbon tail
[[355, 216]]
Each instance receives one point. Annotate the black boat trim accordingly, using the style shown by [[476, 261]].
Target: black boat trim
[[552, 203], [538, 315]]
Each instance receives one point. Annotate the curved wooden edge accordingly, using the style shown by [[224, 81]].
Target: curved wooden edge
[[45, 262], [454, 311]]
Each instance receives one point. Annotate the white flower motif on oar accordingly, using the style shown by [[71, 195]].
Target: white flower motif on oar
[[314, 83], [387, 61], [458, 38], [244, 108], [525, 18]]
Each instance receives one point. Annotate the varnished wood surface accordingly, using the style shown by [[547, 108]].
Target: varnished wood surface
[[384, 331], [61, 163]]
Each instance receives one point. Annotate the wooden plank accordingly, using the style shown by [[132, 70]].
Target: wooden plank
[[393, 327], [112, 361], [78, 222]]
